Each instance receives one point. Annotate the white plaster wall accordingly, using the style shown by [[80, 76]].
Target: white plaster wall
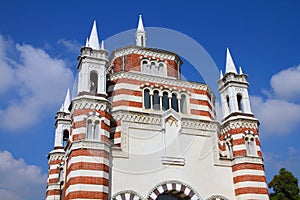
[[143, 169]]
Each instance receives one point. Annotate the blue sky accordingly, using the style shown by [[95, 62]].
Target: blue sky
[[40, 42]]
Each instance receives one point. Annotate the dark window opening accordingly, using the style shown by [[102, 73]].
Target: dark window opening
[[174, 102], [93, 82], [239, 101], [147, 99], [169, 197], [65, 137], [228, 104], [165, 101], [156, 101]]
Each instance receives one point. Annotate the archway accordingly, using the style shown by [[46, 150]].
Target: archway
[[173, 190]]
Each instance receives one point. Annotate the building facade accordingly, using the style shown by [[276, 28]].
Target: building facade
[[136, 130]]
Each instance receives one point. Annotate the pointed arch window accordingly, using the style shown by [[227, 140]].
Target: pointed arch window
[[174, 102], [147, 99], [152, 68], [93, 82]]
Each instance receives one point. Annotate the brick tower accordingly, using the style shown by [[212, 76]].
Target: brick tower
[[239, 135]]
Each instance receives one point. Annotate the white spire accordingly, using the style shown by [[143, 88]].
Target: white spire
[[140, 26], [67, 101], [102, 44], [87, 42], [241, 71], [230, 67], [221, 74], [140, 35], [61, 108], [93, 41]]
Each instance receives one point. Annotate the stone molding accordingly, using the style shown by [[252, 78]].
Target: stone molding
[[239, 123], [86, 102], [56, 155], [162, 80], [89, 145]]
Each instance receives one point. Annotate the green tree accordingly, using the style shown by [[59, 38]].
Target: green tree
[[284, 186]]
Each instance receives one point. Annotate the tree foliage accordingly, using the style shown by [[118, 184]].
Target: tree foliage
[[284, 186]]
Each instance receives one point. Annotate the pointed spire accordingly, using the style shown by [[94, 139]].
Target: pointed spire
[[221, 74], [241, 71], [140, 26], [93, 41], [230, 67], [67, 101], [102, 44], [87, 42]]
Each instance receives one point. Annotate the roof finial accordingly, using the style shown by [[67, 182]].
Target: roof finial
[[102, 44], [93, 41], [140, 25], [241, 71], [67, 102], [230, 67], [221, 74], [87, 42]]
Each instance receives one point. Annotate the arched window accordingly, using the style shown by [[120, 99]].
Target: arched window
[[152, 68], [93, 82], [147, 99], [183, 106], [228, 103], [174, 102], [96, 134], [165, 101], [142, 41], [65, 137], [239, 101], [229, 151], [161, 69], [156, 100], [144, 66], [250, 145], [89, 131], [169, 197]]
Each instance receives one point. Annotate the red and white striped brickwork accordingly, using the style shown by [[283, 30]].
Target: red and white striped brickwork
[[125, 90], [55, 159], [87, 164], [248, 170]]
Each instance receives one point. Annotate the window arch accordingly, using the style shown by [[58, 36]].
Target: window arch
[[183, 104], [93, 129], [250, 143], [228, 103], [239, 102], [93, 82], [65, 137], [89, 130], [161, 69], [147, 99], [144, 66], [156, 100], [153, 68], [174, 102], [165, 101]]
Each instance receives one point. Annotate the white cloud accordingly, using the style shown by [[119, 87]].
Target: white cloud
[[285, 83], [72, 45], [19, 180], [40, 81], [277, 116]]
